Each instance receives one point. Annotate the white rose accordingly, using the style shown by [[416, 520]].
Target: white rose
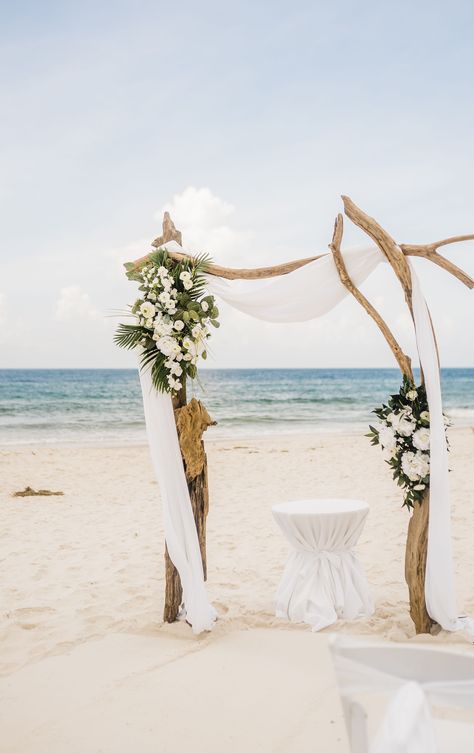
[[388, 439], [196, 331], [412, 395], [204, 306], [163, 327], [187, 284], [421, 439], [176, 369], [178, 325], [149, 323], [415, 465], [405, 427], [185, 276], [167, 345], [408, 466], [147, 310], [164, 297], [187, 357], [425, 416], [422, 460], [187, 343], [162, 271]]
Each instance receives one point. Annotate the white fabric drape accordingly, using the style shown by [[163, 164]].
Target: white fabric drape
[[407, 725], [304, 294], [323, 580], [180, 528], [439, 580]]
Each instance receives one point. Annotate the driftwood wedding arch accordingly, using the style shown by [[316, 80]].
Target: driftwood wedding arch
[[192, 419]]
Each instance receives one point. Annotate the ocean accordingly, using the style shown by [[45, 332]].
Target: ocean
[[78, 406]]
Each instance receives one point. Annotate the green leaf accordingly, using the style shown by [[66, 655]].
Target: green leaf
[[129, 336]]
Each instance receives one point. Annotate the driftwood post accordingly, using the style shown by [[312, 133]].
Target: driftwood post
[[192, 419], [417, 536]]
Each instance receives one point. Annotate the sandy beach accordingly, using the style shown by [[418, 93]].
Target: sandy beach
[[84, 571]]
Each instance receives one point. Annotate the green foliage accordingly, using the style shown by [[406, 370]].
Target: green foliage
[[173, 331], [415, 411]]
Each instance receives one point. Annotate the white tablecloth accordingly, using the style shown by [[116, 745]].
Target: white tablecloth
[[322, 580]]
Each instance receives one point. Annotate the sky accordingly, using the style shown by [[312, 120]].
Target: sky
[[247, 121]]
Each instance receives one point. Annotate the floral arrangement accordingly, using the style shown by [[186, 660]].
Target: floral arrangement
[[173, 316], [403, 433]]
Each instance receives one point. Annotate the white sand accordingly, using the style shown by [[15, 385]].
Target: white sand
[[256, 691], [89, 565]]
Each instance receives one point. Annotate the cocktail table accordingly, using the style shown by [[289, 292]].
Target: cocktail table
[[323, 580]]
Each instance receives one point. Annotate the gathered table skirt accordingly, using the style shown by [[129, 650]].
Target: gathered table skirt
[[323, 580]]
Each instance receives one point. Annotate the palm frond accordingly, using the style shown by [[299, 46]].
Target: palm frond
[[128, 336]]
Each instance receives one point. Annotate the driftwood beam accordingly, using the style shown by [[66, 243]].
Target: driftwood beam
[[385, 242], [403, 360], [429, 252], [430, 247], [231, 273]]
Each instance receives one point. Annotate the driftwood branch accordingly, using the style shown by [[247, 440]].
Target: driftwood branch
[[234, 273], [427, 251], [169, 233], [403, 360], [385, 242]]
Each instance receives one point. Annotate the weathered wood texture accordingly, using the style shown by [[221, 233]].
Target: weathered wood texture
[[427, 251], [403, 360], [173, 588], [415, 564], [414, 573], [192, 420]]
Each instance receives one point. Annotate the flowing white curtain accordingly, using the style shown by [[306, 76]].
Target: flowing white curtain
[[180, 528], [306, 293], [439, 580]]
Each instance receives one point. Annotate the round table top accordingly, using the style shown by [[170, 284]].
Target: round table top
[[320, 506]]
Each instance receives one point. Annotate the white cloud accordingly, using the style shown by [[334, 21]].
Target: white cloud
[[74, 303], [205, 222]]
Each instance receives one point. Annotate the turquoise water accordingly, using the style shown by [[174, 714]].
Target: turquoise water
[[104, 405]]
